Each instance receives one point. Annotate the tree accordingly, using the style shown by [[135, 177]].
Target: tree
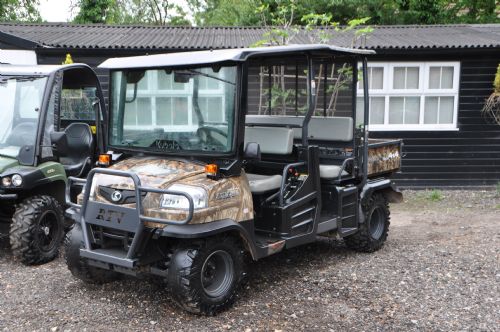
[[224, 12], [19, 10], [157, 12], [97, 11]]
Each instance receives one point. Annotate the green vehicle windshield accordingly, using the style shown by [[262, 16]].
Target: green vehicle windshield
[[173, 110], [21, 103]]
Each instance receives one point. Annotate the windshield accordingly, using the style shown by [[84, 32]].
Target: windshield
[[21, 102], [167, 110]]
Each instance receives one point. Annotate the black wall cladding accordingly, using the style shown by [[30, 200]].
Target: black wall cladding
[[467, 157]]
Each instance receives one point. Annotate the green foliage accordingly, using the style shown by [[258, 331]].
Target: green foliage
[[96, 11], [496, 83], [234, 12], [157, 12], [224, 12], [19, 11], [435, 195]]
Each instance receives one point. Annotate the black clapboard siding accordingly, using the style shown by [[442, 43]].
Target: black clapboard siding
[[467, 157]]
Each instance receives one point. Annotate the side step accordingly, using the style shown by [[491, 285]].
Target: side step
[[111, 256]]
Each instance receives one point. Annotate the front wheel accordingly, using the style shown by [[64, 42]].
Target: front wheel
[[204, 277], [372, 233], [37, 230], [78, 266]]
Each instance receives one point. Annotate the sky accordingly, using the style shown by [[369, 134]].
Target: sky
[[55, 10]]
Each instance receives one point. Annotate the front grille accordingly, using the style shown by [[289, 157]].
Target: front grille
[[119, 196], [106, 237]]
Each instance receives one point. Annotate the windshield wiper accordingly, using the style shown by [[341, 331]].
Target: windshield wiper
[[210, 76], [28, 78]]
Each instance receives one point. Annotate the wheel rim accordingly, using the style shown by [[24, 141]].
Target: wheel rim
[[217, 273], [48, 228], [377, 224]]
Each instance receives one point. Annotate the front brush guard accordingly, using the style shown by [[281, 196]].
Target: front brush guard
[[117, 217]]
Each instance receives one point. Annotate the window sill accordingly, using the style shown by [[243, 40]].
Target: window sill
[[411, 128]]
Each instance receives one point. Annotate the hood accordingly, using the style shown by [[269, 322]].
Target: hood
[[6, 163], [152, 171]]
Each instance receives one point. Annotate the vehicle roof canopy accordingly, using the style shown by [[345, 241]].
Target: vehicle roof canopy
[[220, 56], [37, 70]]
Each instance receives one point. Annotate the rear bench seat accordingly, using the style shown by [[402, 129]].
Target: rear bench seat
[[272, 141], [320, 129]]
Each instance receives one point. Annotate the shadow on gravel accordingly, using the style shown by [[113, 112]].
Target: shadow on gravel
[[303, 261], [4, 239]]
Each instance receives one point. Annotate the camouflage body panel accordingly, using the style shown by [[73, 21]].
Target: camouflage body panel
[[383, 156], [228, 198]]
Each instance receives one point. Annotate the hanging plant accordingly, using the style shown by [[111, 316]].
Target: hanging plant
[[492, 105]]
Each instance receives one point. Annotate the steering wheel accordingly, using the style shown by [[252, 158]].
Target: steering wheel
[[205, 134]]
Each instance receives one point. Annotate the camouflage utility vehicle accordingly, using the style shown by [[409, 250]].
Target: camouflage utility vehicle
[[45, 135], [222, 154]]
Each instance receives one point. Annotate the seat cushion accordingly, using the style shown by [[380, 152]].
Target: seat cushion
[[262, 183], [330, 171]]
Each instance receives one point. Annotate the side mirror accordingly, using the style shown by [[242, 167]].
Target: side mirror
[[59, 142], [252, 151]]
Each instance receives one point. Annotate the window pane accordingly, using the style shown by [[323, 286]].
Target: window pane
[[377, 110], [396, 109], [412, 77], [180, 111], [447, 78], [399, 78], [434, 77], [214, 109], [377, 78], [130, 114], [359, 111], [144, 111], [412, 110], [163, 111], [431, 110], [446, 110]]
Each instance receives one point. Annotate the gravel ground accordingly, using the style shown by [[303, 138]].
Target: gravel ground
[[439, 270]]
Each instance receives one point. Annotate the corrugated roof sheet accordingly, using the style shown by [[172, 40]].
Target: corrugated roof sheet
[[97, 36]]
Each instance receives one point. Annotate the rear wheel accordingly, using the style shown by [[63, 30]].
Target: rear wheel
[[372, 234], [78, 265], [37, 230], [205, 276]]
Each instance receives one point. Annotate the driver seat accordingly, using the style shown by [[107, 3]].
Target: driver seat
[[80, 149]]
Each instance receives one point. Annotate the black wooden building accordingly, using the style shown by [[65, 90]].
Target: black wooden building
[[428, 84]]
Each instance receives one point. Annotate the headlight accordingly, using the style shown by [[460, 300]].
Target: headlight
[[17, 180], [199, 196], [6, 181]]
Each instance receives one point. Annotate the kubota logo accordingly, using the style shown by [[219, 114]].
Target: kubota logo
[[116, 196]]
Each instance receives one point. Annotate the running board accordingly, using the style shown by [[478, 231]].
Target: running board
[[110, 256]]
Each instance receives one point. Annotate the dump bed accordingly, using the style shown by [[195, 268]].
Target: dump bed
[[384, 156]]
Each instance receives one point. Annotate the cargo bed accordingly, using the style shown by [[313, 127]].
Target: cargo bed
[[384, 156]]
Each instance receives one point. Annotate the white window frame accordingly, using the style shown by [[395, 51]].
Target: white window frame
[[153, 92], [422, 92]]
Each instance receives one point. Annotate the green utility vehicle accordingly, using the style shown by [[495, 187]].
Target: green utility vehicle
[[219, 155], [49, 119]]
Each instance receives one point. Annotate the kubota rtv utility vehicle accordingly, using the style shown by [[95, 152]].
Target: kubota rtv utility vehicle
[[220, 154], [46, 114]]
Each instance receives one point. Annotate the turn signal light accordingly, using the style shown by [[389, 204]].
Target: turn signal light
[[104, 160], [211, 170]]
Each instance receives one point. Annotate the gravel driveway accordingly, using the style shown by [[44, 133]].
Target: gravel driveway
[[439, 270]]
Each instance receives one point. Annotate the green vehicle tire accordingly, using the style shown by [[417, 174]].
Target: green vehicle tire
[[37, 230], [371, 234], [78, 266]]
